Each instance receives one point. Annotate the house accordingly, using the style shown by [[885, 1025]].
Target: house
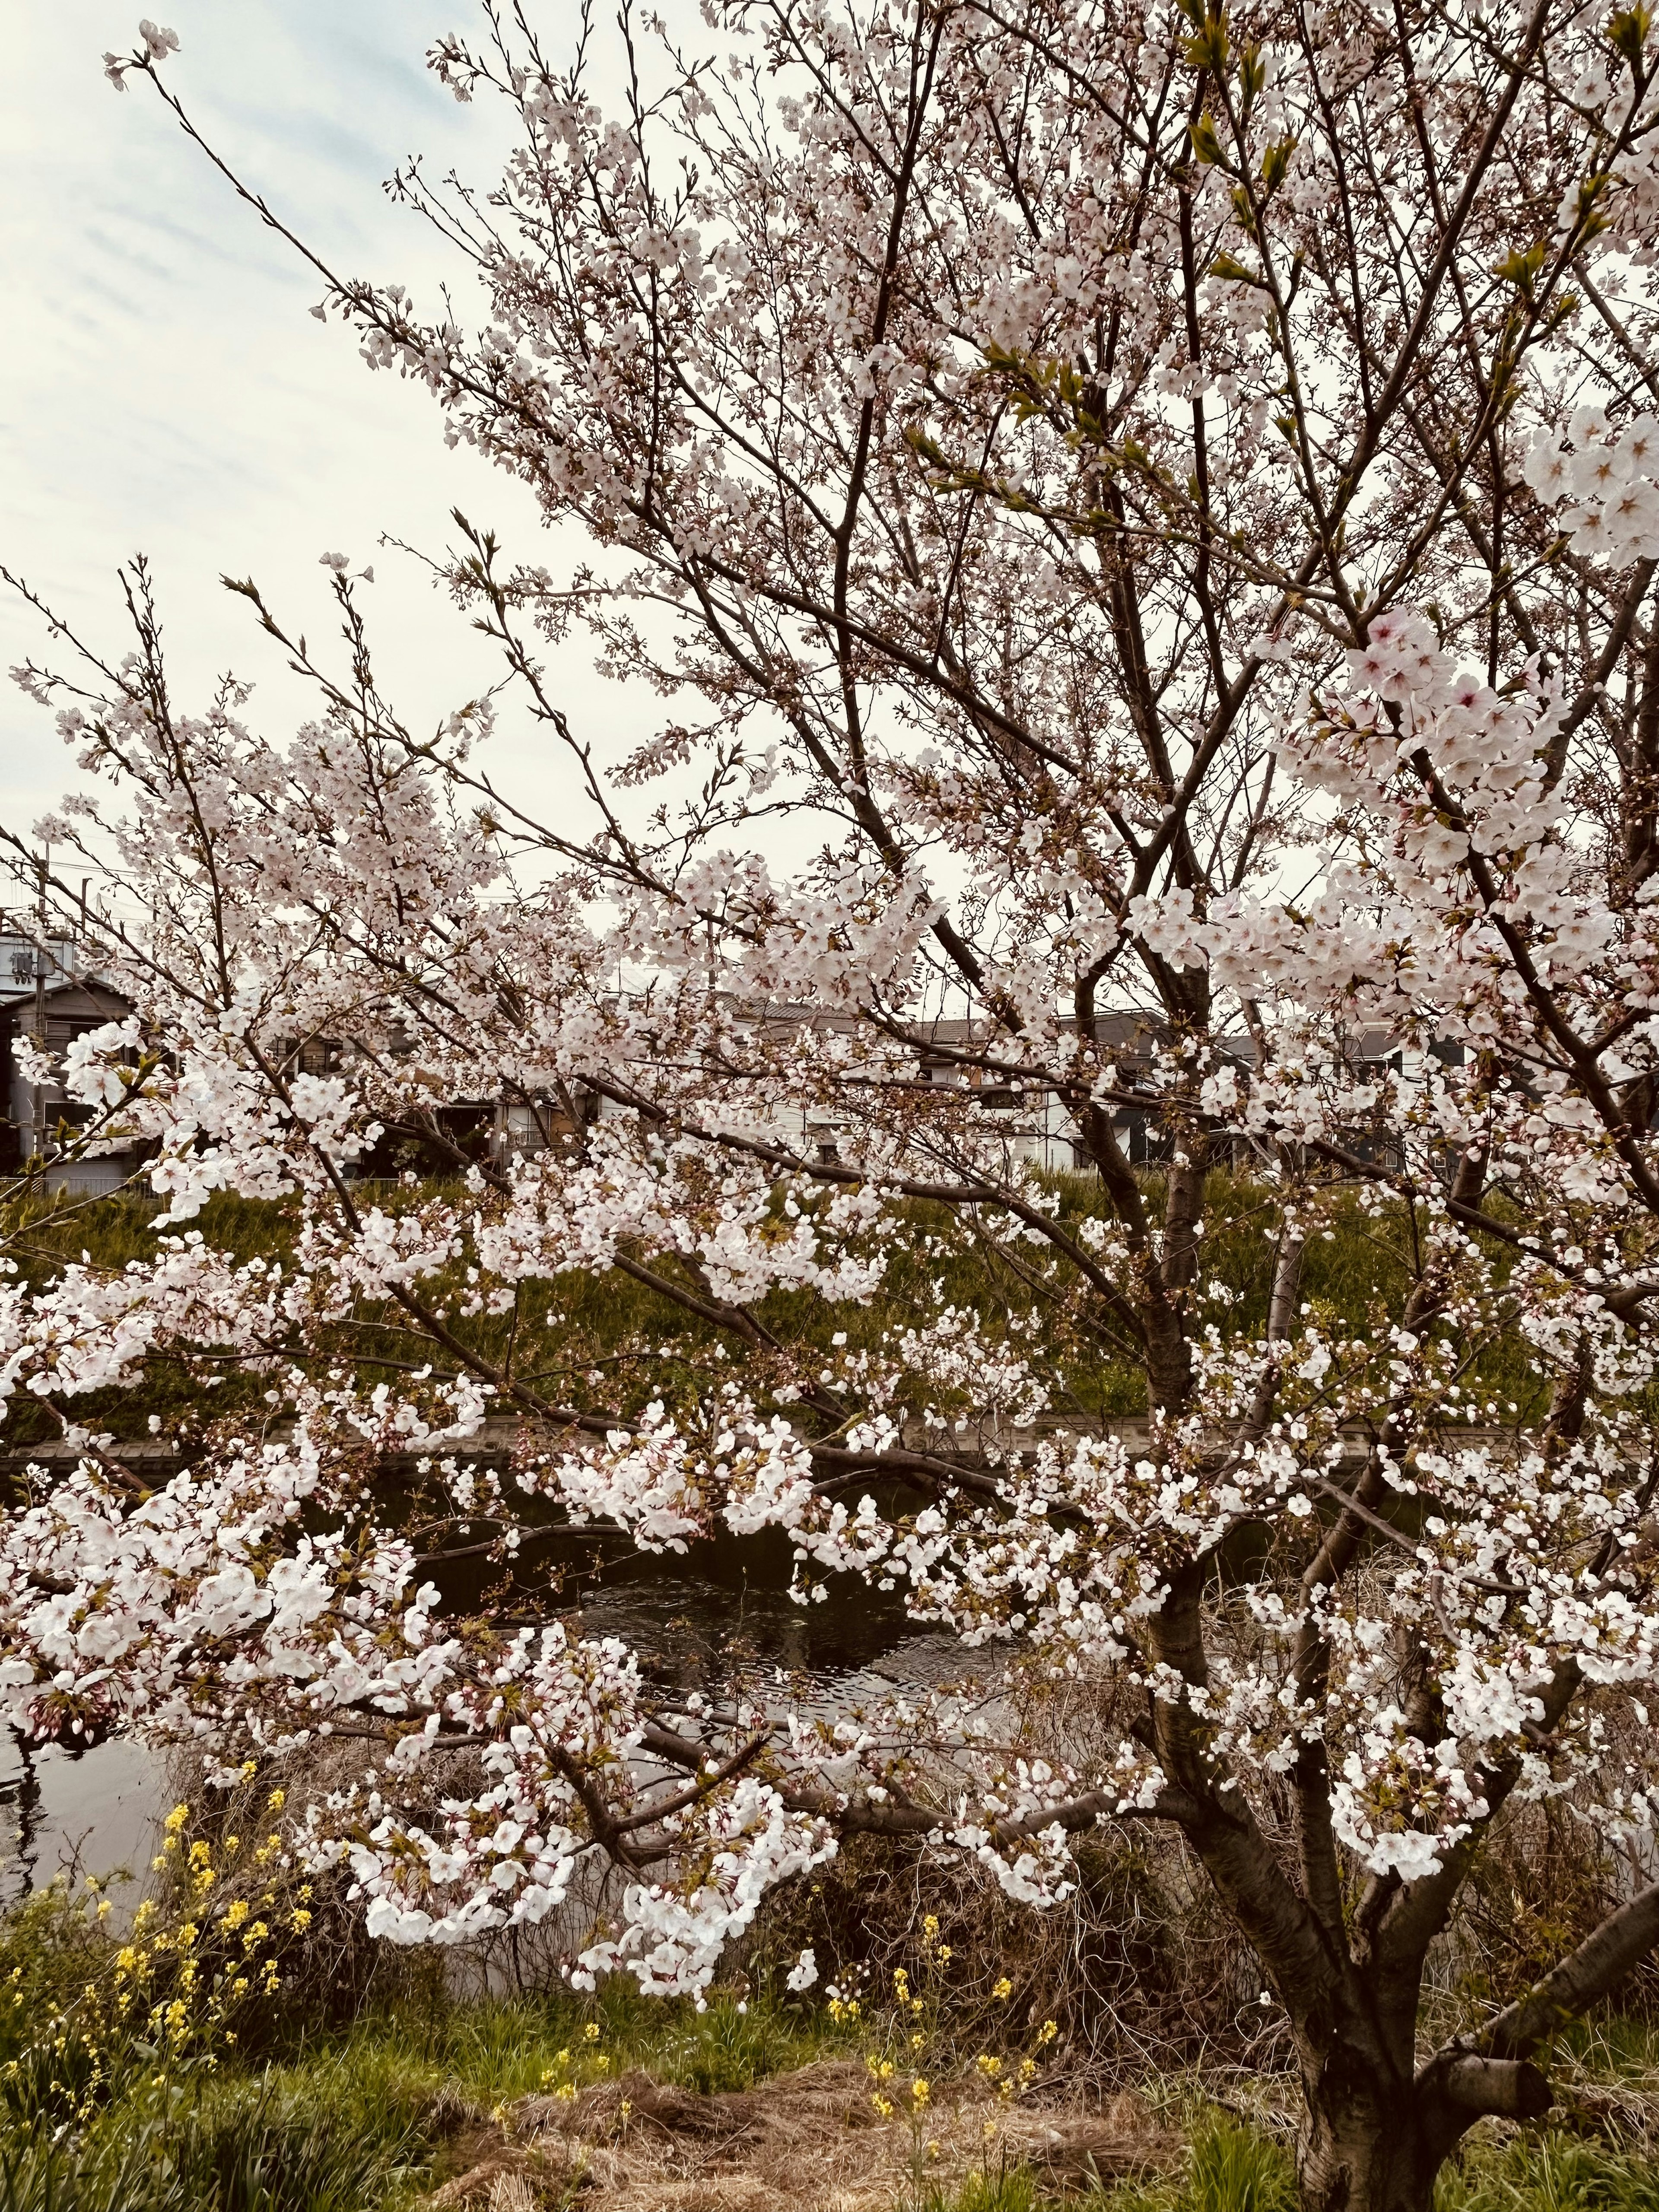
[[44, 991], [42, 984], [1031, 1119]]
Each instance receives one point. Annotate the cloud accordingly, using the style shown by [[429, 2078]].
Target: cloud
[[166, 389]]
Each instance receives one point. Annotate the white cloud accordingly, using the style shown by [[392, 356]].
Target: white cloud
[[166, 388]]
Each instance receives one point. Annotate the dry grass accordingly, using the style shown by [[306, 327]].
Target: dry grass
[[809, 2140]]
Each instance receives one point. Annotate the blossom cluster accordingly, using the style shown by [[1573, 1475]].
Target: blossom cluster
[[1194, 641]]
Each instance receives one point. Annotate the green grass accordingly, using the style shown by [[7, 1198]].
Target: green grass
[[1008, 2189], [95, 2119], [494, 2051], [249, 2144], [1616, 2052], [637, 1343], [354, 2123], [357, 2120], [1229, 2166], [1551, 2170]]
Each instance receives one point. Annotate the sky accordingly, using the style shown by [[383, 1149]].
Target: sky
[[164, 388]]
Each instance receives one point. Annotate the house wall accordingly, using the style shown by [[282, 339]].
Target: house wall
[[72, 1008]]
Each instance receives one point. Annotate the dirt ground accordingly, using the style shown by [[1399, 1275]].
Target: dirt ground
[[809, 2140]]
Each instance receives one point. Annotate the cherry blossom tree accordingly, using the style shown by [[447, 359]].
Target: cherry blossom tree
[[1156, 508]]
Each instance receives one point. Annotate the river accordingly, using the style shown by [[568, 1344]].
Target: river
[[696, 1621]]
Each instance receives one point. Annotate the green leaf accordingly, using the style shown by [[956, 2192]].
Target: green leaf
[[1208, 47], [1207, 50], [1592, 192], [1523, 269], [1206, 145], [1628, 31], [1276, 162]]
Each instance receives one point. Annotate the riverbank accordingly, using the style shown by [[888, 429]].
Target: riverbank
[[464, 2114], [125, 2087]]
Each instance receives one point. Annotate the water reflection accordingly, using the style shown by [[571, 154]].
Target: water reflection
[[696, 1616], [707, 1620], [90, 1812]]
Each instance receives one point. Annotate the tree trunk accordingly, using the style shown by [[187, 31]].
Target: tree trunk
[[1367, 2151], [1363, 2146], [1373, 2143]]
